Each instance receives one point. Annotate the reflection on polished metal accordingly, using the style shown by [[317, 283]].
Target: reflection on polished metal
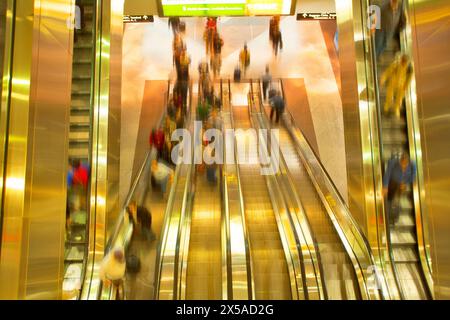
[[273, 270], [36, 161], [6, 27], [361, 131], [350, 233], [281, 210], [430, 32], [104, 190], [312, 271], [241, 284]]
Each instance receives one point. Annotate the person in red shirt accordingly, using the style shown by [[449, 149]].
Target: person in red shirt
[[157, 140]]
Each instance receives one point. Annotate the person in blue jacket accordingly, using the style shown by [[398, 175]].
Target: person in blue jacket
[[400, 173]]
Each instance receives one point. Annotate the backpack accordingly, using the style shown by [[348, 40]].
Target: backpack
[[133, 264]]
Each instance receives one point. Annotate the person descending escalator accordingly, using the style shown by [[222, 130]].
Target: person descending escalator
[[112, 269], [211, 166], [142, 220], [400, 173], [277, 104], [397, 78], [156, 140], [392, 22], [266, 80]]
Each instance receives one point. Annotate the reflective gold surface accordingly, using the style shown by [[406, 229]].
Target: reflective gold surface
[[361, 133], [430, 32], [104, 189], [36, 162]]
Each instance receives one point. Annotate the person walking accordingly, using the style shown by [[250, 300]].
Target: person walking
[[266, 80], [400, 173], [244, 58]]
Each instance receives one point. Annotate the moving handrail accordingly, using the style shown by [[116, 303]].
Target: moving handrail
[[351, 235], [167, 275], [289, 240], [240, 275], [298, 219], [123, 230]]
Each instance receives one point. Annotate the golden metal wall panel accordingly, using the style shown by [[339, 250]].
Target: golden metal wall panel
[[6, 48], [35, 196], [104, 205], [430, 29], [361, 131]]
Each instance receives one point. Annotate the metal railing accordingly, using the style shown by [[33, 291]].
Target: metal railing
[[352, 237], [298, 219]]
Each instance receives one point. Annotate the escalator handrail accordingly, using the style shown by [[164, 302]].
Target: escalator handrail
[[106, 290], [181, 257], [348, 219], [419, 205], [160, 254], [224, 218], [292, 249], [249, 260], [379, 127], [301, 228]]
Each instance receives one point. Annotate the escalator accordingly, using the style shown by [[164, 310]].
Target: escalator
[[79, 145], [204, 261], [347, 262], [337, 270], [141, 285], [402, 236], [270, 268], [173, 247]]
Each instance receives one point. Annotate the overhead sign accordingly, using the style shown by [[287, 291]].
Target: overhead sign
[[217, 8], [316, 16], [137, 18]]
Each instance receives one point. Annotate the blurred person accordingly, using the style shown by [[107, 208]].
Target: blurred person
[[174, 23], [217, 44], [400, 173], [211, 168], [396, 79], [244, 58], [79, 19], [112, 269], [237, 74], [170, 127], [185, 62], [277, 104], [209, 34], [216, 64], [69, 205], [80, 182], [392, 21], [161, 175], [266, 80], [156, 140], [277, 42], [142, 217]]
